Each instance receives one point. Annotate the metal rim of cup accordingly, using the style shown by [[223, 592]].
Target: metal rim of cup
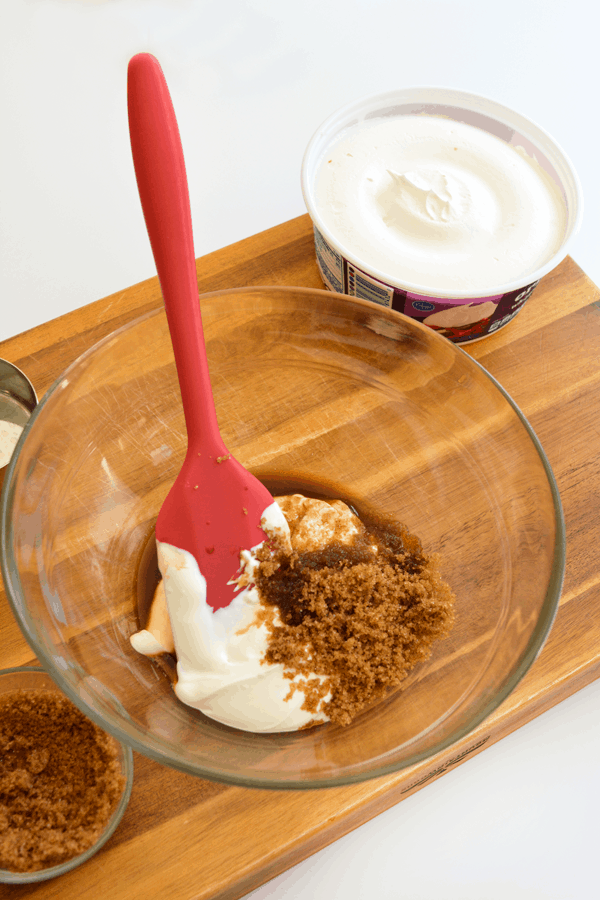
[[18, 393], [17, 385]]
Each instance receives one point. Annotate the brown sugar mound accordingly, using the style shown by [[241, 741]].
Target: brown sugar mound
[[60, 780], [362, 614]]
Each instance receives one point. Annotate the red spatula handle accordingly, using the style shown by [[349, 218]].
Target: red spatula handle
[[162, 183]]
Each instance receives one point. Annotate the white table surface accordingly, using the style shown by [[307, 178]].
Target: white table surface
[[251, 80]]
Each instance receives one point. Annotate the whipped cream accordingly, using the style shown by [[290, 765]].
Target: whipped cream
[[427, 201], [221, 666]]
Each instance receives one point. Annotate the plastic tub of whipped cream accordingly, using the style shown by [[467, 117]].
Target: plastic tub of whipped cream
[[441, 204]]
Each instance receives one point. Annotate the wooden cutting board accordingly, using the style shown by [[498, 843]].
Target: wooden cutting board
[[184, 838]]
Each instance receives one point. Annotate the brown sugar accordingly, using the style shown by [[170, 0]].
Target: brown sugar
[[60, 780], [358, 614]]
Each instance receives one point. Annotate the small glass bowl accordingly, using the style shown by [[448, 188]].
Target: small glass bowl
[[32, 678]]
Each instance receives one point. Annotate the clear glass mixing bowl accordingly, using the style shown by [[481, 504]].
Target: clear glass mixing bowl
[[312, 390]]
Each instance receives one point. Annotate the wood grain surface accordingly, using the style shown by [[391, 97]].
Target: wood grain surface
[[185, 838]]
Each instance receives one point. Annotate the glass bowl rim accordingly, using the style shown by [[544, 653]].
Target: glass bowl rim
[[534, 646], [9, 877]]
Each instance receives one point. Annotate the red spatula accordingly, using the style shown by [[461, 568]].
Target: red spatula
[[214, 508]]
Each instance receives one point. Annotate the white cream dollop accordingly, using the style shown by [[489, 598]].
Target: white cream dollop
[[440, 204], [221, 667], [425, 195]]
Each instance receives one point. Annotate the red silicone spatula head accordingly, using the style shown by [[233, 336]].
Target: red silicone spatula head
[[214, 508]]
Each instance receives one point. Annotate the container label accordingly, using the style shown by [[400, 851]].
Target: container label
[[473, 319], [331, 264], [458, 320], [423, 305], [368, 288]]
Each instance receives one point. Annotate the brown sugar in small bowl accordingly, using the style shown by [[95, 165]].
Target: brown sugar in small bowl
[[29, 683]]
